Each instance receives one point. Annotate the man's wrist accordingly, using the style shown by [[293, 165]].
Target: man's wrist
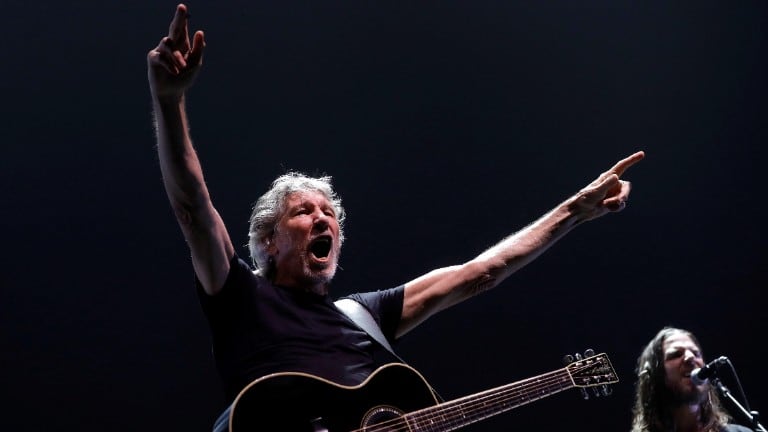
[[167, 99], [577, 212]]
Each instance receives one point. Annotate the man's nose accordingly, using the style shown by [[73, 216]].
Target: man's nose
[[321, 221], [689, 356]]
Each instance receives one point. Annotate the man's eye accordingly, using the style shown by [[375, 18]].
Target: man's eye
[[674, 354]]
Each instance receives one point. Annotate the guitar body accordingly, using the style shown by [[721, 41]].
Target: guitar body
[[298, 402]]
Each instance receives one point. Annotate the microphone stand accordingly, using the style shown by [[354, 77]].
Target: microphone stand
[[751, 416]]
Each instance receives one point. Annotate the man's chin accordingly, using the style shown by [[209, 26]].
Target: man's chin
[[322, 273], [691, 395]]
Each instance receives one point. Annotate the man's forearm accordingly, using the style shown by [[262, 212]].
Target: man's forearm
[[182, 173], [517, 250]]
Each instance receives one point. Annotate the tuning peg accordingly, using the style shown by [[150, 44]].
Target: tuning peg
[[596, 391], [589, 353], [606, 390], [584, 393], [567, 359]]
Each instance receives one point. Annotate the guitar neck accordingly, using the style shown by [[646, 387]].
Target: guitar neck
[[457, 413]]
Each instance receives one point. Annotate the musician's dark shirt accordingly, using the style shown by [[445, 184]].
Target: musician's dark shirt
[[258, 328]]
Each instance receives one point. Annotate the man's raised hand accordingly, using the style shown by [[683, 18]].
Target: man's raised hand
[[607, 193], [174, 62]]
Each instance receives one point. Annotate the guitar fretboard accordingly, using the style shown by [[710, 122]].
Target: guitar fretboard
[[457, 413]]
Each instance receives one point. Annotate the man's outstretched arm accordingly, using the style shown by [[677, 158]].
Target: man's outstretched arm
[[172, 67], [445, 287]]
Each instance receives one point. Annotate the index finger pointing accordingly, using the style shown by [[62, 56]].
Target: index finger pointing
[[627, 162], [178, 27]]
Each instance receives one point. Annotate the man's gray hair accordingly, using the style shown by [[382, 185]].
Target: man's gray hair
[[269, 208]]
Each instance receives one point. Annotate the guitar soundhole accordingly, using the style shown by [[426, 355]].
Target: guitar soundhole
[[383, 419]]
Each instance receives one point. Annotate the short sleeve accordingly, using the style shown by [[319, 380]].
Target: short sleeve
[[386, 307]]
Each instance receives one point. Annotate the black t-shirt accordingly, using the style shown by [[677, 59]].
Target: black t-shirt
[[258, 328]]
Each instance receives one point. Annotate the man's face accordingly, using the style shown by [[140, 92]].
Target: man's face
[[305, 244], [681, 356]]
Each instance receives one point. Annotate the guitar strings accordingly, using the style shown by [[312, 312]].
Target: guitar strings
[[484, 407], [479, 408], [459, 412]]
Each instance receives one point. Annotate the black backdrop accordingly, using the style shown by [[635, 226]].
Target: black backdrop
[[446, 125]]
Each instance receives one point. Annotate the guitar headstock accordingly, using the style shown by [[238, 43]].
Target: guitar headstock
[[591, 370]]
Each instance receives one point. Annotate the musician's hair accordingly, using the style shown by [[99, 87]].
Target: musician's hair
[[269, 208], [654, 402]]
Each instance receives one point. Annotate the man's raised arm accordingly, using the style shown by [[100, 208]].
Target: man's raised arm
[[171, 68]]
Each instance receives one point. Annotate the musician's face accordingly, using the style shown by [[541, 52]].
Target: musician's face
[[305, 245], [681, 357]]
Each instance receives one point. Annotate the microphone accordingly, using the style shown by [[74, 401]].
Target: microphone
[[701, 375]]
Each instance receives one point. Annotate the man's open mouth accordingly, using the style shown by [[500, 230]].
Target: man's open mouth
[[320, 247]]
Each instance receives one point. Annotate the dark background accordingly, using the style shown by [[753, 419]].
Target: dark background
[[446, 125]]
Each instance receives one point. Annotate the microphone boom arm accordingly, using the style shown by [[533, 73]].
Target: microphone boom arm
[[751, 416]]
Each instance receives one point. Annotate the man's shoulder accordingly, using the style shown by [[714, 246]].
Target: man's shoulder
[[735, 428]]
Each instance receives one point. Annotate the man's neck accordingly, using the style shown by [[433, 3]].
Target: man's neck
[[319, 288], [687, 418]]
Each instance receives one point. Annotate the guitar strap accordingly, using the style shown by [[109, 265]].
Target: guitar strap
[[360, 316]]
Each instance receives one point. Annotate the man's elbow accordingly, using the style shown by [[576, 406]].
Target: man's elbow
[[190, 212]]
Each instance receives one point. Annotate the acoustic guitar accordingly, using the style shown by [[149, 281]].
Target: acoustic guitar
[[395, 398]]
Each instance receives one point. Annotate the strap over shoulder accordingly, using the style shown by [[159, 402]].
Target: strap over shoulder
[[360, 316]]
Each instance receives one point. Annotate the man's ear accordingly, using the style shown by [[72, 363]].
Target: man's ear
[[270, 246], [646, 370]]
